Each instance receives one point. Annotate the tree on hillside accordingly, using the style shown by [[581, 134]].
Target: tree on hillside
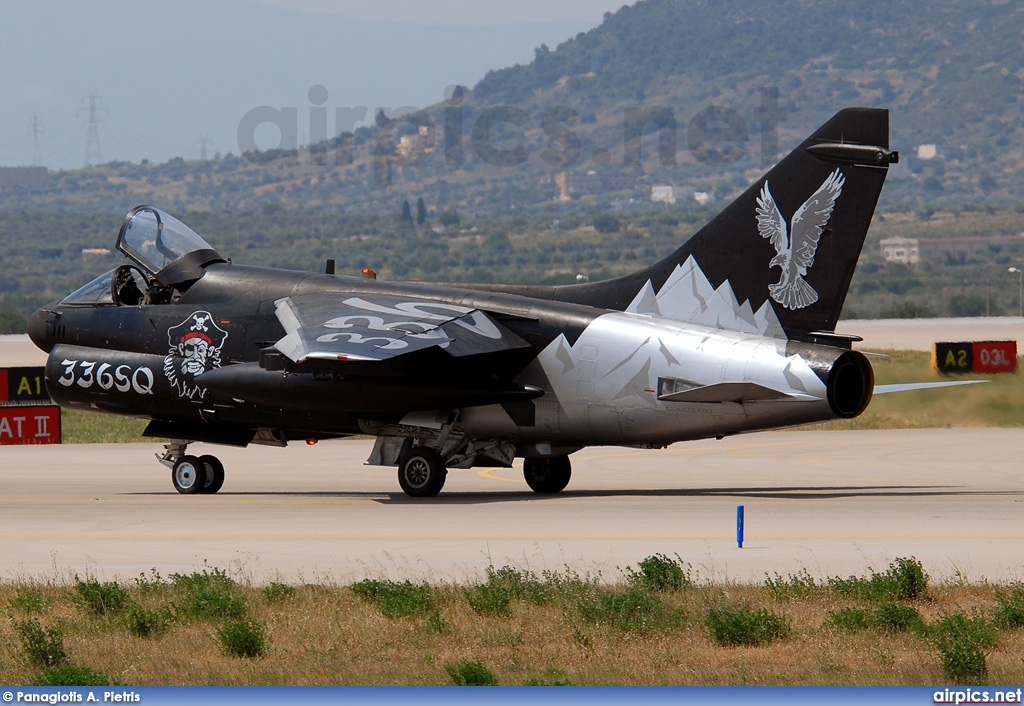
[[406, 211], [421, 212], [449, 217]]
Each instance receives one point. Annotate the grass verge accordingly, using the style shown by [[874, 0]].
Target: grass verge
[[513, 628]]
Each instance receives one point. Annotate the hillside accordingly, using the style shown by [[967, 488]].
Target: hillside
[[952, 77], [45, 256]]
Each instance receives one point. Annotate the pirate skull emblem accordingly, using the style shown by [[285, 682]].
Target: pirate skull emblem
[[195, 346]]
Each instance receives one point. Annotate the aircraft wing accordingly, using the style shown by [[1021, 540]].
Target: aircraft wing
[[331, 326]]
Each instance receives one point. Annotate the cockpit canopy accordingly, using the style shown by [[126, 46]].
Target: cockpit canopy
[[165, 248], [168, 255]]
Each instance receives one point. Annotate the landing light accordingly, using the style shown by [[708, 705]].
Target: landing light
[[310, 442]]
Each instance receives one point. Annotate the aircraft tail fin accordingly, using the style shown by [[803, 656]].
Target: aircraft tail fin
[[779, 259]]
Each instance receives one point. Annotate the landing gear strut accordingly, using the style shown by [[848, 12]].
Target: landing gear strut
[[547, 475], [191, 475]]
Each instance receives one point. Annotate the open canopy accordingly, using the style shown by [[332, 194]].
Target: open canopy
[[164, 247]]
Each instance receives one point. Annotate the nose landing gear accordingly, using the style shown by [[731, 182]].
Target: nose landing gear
[[191, 475]]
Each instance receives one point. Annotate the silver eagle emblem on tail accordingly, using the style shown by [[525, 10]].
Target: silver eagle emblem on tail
[[795, 246]]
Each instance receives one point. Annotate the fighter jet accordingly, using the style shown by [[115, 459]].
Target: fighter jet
[[705, 343]]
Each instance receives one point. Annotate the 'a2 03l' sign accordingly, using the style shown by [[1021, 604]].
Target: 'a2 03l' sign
[[975, 357]]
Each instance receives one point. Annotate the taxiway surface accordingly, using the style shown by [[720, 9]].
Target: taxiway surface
[[834, 503]]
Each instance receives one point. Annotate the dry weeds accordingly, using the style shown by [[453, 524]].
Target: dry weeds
[[328, 635]]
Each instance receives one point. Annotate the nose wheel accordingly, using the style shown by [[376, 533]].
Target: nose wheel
[[192, 475], [214, 474], [188, 475]]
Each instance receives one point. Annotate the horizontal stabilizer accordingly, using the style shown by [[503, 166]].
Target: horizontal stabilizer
[[908, 386]]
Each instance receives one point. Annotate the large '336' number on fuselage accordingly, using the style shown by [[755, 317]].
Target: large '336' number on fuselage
[[122, 378]]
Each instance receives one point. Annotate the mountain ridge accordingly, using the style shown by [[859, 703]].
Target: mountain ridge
[[742, 83]]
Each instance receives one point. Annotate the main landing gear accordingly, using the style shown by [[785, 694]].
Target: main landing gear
[[191, 475], [548, 475], [422, 473]]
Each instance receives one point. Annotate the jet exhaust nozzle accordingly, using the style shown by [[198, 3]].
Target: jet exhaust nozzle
[[850, 384]]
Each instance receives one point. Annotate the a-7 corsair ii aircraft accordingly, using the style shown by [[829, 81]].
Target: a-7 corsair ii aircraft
[[733, 332]]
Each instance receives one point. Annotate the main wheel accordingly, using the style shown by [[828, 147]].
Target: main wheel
[[214, 474], [422, 473], [188, 475], [547, 475]]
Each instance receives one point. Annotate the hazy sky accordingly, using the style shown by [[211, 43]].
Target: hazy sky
[[176, 79], [459, 12]]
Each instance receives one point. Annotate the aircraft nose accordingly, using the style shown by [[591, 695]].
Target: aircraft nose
[[37, 329]]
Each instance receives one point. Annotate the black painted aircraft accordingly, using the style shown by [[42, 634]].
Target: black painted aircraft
[[733, 332]]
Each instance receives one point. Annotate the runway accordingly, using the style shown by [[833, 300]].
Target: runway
[[834, 503]]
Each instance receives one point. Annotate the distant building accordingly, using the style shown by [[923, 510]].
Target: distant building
[[23, 177], [662, 193], [903, 250], [911, 251], [414, 145]]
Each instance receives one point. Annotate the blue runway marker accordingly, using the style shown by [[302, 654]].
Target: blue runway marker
[[739, 526]]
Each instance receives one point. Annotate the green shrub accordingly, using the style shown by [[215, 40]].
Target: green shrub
[[397, 600], [29, 600], [436, 624], [144, 622], [1010, 613], [964, 643], [524, 584], [489, 599], [896, 618], [850, 619], [964, 663], [108, 598], [742, 626], [71, 676], [851, 585], [795, 585], [907, 578], [471, 674], [243, 638], [210, 596], [658, 572], [154, 582], [568, 587], [275, 592], [904, 580], [44, 647], [634, 609]]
